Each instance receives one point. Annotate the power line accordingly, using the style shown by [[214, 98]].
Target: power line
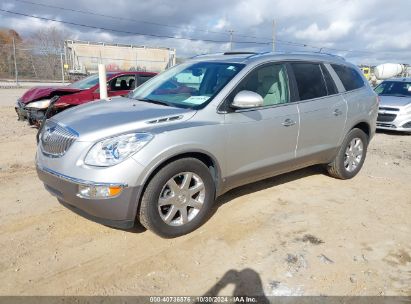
[[268, 42], [130, 32], [129, 19], [161, 24]]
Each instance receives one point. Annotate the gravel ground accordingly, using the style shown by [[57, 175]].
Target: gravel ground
[[302, 233]]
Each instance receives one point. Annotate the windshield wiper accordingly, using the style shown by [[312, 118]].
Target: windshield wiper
[[159, 102]]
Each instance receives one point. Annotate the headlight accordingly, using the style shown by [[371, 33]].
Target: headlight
[[114, 150], [41, 104], [407, 109]]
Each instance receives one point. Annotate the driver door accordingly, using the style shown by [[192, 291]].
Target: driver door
[[261, 142]]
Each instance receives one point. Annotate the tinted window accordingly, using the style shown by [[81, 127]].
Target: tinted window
[[310, 80], [350, 78], [331, 87], [270, 81], [394, 88], [142, 79]]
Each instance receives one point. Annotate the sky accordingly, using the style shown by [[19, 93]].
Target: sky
[[363, 31]]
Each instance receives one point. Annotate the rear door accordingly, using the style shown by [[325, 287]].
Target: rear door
[[142, 79], [261, 141], [323, 112]]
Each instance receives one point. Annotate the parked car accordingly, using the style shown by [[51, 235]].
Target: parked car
[[395, 104], [162, 156], [33, 104]]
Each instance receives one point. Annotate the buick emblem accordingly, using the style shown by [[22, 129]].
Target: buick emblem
[[47, 133]]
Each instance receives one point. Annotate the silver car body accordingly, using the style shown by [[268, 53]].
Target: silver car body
[[239, 147], [395, 111]]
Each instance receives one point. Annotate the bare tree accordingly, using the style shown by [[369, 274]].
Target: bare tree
[[47, 44], [6, 51]]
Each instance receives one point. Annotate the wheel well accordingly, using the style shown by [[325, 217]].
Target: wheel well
[[364, 127], [204, 158]]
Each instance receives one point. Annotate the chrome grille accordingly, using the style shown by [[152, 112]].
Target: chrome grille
[[389, 109], [55, 140], [386, 117]]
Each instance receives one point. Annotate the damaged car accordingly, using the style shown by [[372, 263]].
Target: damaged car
[[33, 104]]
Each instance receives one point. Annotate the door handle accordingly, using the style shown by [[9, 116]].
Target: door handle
[[337, 112], [288, 123]]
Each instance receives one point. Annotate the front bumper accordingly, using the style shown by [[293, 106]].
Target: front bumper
[[21, 111], [32, 115], [119, 211], [394, 120]]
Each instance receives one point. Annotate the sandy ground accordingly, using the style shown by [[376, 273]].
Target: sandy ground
[[301, 233]]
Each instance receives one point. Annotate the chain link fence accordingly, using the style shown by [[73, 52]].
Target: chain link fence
[[22, 64]]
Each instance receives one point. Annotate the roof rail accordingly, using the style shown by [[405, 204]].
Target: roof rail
[[240, 53], [317, 53], [206, 54]]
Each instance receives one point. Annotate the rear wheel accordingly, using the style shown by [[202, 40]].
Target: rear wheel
[[178, 198], [351, 155]]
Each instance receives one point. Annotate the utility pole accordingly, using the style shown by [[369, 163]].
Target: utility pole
[[16, 73], [231, 39], [62, 66], [273, 35]]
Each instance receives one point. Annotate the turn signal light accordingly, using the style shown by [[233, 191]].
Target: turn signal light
[[97, 192]]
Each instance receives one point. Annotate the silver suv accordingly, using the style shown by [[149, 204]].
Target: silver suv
[[164, 153]]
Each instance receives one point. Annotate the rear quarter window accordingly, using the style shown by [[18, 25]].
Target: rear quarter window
[[349, 77]]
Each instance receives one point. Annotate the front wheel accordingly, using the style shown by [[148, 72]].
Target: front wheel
[[351, 155], [178, 198]]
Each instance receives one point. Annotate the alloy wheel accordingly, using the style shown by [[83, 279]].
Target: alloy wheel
[[353, 154], [181, 199]]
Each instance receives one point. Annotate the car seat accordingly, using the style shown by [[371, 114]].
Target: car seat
[[123, 85], [132, 84]]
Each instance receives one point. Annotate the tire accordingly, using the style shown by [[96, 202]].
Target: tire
[[169, 192], [339, 167]]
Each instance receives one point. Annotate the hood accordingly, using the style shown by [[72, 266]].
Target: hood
[[394, 101], [37, 93], [104, 118]]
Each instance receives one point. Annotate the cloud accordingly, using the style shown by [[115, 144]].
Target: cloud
[[377, 30], [334, 31]]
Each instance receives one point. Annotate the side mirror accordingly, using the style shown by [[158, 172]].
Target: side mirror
[[247, 99]]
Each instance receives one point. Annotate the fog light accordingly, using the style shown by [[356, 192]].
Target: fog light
[[94, 192], [407, 125]]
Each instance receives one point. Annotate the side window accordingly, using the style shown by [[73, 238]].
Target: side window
[[350, 78], [123, 83], [331, 87], [270, 81], [310, 80], [142, 79]]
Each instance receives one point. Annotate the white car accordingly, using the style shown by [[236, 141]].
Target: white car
[[395, 104]]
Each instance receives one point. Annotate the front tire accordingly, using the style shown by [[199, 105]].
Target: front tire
[[178, 198], [351, 155]]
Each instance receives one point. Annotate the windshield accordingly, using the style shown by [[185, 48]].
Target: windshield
[[189, 85], [86, 83], [394, 88]]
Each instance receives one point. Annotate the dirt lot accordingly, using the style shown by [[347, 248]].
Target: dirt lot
[[302, 233]]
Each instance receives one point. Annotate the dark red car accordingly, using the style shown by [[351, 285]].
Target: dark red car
[[33, 104]]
